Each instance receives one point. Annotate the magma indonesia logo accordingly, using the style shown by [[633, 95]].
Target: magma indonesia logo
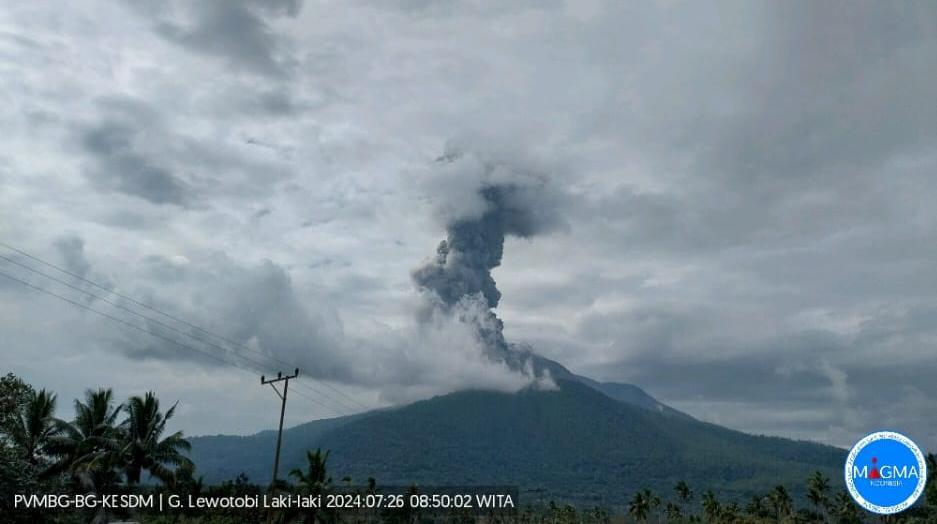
[[885, 472]]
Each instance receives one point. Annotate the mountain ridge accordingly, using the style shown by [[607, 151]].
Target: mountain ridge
[[577, 443]]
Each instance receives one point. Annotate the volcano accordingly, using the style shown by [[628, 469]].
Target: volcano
[[585, 442]]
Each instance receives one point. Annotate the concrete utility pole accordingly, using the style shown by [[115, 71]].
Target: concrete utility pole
[[286, 384]]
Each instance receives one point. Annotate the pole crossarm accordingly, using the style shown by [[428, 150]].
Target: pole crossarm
[[279, 377]]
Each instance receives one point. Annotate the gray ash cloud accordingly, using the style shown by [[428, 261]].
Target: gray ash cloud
[[458, 279]]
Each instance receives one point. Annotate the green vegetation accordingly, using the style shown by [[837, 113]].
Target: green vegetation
[[94, 453], [575, 443], [112, 448]]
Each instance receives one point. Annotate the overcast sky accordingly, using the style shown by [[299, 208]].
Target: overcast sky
[[745, 199]]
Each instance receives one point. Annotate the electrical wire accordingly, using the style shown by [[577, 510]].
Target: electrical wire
[[144, 330], [357, 405], [259, 365]]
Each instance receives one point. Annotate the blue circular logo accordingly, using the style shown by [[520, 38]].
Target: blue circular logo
[[885, 472]]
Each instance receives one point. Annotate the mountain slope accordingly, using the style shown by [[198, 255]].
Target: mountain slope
[[575, 442], [627, 393], [631, 394], [223, 457]]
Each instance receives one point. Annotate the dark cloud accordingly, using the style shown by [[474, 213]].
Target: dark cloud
[[72, 250], [237, 31], [120, 166], [448, 8], [259, 308], [814, 381], [277, 103], [835, 371], [128, 219], [135, 149]]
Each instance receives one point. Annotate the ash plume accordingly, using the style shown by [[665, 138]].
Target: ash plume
[[458, 279]]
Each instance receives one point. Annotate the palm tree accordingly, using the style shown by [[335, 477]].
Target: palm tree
[[315, 480], [844, 510], [184, 481], [817, 488], [684, 494], [673, 512], [756, 507], [781, 501], [141, 447], [653, 502], [683, 491], [597, 515], [711, 506], [33, 426], [639, 507], [729, 513], [87, 447]]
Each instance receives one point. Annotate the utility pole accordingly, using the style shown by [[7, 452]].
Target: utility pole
[[286, 384]]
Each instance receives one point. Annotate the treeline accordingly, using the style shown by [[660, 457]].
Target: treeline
[[113, 448], [107, 448], [777, 506]]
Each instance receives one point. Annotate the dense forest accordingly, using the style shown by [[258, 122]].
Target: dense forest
[[126, 447]]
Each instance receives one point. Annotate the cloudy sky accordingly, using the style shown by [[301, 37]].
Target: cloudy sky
[[745, 200]]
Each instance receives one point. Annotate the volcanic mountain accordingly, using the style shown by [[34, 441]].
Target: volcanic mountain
[[585, 442]]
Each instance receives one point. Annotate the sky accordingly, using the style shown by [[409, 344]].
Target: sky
[[741, 197]]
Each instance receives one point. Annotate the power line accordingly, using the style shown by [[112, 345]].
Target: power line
[[311, 399], [128, 310], [141, 329], [109, 290], [260, 365], [171, 317], [130, 299], [353, 401], [310, 388], [307, 387]]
